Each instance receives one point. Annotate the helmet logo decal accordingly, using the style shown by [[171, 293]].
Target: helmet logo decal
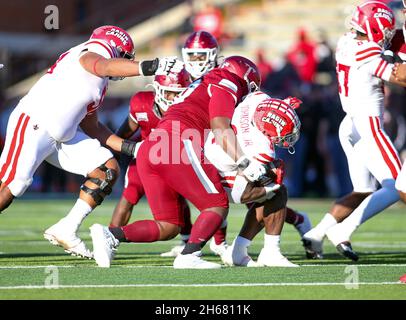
[[118, 34], [277, 121]]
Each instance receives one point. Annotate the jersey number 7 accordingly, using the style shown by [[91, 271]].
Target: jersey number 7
[[341, 68]]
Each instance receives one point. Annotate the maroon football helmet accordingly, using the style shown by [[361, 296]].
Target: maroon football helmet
[[200, 53], [245, 69]]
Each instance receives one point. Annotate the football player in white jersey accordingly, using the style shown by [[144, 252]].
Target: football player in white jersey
[[371, 155], [57, 122], [400, 71], [260, 123]]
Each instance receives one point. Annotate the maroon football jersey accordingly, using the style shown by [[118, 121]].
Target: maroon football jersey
[[398, 43], [194, 108], [142, 111]]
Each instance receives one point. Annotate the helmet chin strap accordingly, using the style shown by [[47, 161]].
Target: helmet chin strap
[[291, 150]]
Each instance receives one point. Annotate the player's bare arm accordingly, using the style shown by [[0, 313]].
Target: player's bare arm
[[121, 67], [225, 137], [102, 67], [127, 128], [96, 130]]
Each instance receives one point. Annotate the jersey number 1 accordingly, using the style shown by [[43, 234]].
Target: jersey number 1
[[346, 70]]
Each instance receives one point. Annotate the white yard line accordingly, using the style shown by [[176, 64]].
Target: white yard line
[[166, 267], [171, 285]]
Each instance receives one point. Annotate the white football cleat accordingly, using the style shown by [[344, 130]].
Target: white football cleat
[[269, 258], [174, 252], [313, 245], [104, 245], [219, 249], [193, 261], [237, 256], [305, 226], [70, 242]]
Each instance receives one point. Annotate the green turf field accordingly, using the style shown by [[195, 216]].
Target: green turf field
[[139, 273]]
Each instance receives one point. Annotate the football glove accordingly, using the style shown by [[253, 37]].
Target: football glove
[[252, 170]]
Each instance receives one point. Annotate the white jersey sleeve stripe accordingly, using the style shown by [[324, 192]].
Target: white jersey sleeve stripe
[[104, 46], [369, 55], [382, 69]]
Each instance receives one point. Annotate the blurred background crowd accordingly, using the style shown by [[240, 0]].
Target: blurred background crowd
[[291, 41]]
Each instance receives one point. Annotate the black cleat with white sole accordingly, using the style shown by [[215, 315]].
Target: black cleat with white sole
[[346, 250]]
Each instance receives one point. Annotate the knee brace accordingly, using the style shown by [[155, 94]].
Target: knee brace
[[104, 186]]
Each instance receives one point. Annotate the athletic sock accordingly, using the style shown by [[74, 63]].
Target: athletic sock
[[292, 217], [326, 223], [77, 214], [205, 227], [371, 206], [142, 231], [272, 242], [242, 242], [220, 235]]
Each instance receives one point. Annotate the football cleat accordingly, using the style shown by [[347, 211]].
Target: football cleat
[[237, 256], [219, 249], [313, 245], [269, 258], [346, 250], [403, 279], [305, 226], [104, 245], [174, 252], [193, 261], [71, 243]]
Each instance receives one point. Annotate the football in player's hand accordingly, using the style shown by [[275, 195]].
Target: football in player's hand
[[275, 172]]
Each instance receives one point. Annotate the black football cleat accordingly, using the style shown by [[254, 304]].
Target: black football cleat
[[346, 250]]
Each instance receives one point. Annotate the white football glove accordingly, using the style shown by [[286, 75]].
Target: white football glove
[[169, 64], [1, 66], [251, 169]]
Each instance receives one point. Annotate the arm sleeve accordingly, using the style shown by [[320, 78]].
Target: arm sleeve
[[222, 102], [379, 68], [369, 59]]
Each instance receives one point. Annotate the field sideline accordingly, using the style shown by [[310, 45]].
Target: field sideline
[[140, 273]]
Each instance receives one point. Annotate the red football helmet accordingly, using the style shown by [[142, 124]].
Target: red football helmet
[[245, 69], [175, 82], [200, 53], [116, 38], [376, 20], [278, 121]]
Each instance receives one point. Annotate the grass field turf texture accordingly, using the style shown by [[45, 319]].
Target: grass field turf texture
[[138, 272]]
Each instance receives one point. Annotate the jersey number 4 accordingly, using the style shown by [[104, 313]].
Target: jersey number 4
[[341, 68]]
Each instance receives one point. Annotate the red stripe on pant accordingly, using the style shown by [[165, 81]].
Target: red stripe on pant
[[17, 156], [388, 144], [385, 156], [12, 147]]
